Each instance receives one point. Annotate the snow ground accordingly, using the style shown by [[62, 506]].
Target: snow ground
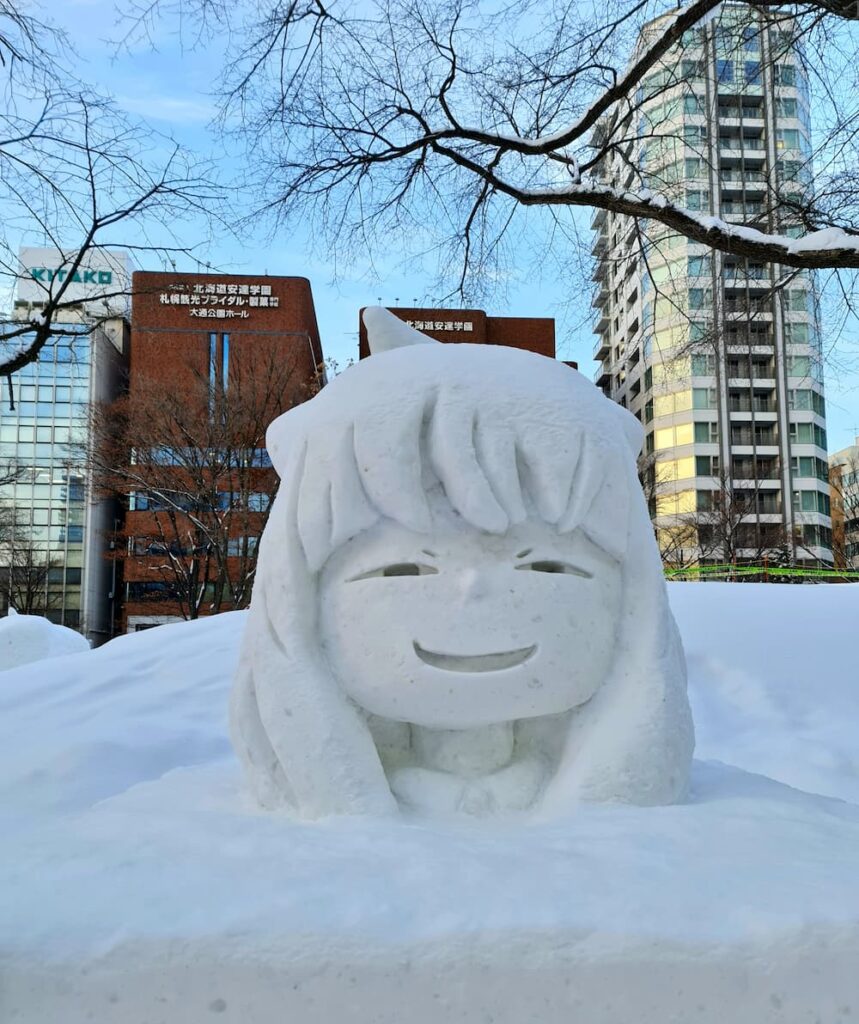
[[137, 884]]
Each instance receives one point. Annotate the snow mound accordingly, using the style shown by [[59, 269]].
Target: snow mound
[[137, 882], [28, 638]]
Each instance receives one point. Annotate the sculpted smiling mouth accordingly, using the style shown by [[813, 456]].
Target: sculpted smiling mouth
[[474, 662]]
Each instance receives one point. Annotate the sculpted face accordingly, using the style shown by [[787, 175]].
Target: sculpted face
[[459, 628], [471, 666]]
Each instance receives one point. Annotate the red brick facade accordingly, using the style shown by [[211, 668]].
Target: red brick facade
[[247, 322], [167, 332], [534, 334]]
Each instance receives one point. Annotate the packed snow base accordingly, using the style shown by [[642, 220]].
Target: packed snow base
[[139, 883]]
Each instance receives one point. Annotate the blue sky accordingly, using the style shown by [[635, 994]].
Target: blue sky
[[171, 86]]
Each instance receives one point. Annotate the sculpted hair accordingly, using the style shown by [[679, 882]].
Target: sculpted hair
[[495, 465], [506, 435]]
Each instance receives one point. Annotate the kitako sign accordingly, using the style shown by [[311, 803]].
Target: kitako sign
[[101, 281], [79, 276]]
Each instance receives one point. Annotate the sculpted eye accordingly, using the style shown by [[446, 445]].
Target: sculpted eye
[[397, 569], [551, 566]]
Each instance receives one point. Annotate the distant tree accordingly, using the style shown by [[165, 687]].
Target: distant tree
[[191, 462], [731, 527], [76, 173], [25, 566], [435, 121], [844, 491], [25, 578]]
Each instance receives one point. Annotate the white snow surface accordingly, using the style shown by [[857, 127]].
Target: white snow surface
[[138, 883], [26, 638]]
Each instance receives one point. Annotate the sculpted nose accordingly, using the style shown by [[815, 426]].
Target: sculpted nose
[[473, 585]]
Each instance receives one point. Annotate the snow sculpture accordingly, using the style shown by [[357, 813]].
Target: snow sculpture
[[459, 604], [28, 638]]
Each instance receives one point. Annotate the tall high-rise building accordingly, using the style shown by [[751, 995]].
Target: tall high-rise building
[[719, 357]]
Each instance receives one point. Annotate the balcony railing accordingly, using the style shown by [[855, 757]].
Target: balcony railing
[[759, 438], [747, 113], [734, 209], [742, 403], [735, 142], [747, 306], [746, 471], [734, 272], [759, 371], [768, 502], [744, 341], [735, 175]]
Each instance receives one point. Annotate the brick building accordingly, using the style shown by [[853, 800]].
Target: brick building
[[534, 334], [213, 360]]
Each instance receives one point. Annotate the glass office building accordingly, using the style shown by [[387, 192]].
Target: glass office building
[[55, 533]]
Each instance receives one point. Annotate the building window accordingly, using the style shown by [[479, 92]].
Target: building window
[[785, 74], [237, 546], [698, 266], [725, 70], [257, 457], [704, 501], [811, 501], [753, 72], [798, 366], [751, 38], [796, 334], [258, 501], [213, 365], [703, 365], [805, 399], [706, 465], [787, 138], [694, 134], [219, 364], [698, 200], [700, 298], [707, 432], [703, 398], [694, 167], [693, 105]]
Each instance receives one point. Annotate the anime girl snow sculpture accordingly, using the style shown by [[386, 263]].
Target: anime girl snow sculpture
[[459, 604]]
